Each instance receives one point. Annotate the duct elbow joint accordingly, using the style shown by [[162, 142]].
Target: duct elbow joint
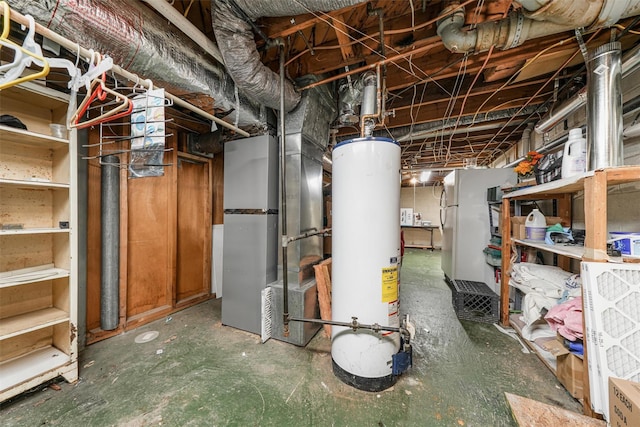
[[450, 31]]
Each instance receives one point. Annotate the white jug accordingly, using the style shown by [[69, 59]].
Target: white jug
[[574, 159], [535, 227]]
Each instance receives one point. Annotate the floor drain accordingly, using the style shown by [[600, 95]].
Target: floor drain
[[147, 336]]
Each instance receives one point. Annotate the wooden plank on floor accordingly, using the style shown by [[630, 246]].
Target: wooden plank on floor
[[323, 282], [530, 413]]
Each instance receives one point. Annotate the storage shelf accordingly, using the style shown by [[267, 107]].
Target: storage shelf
[[23, 136], [38, 362], [38, 280], [34, 231], [41, 185], [38, 94], [546, 357], [571, 251], [32, 276], [32, 321], [614, 176]]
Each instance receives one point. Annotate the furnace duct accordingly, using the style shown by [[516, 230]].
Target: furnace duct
[[236, 42], [142, 42]]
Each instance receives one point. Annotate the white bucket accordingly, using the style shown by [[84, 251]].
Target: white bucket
[[627, 243], [535, 226]]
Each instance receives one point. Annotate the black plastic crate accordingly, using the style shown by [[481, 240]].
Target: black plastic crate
[[475, 301]]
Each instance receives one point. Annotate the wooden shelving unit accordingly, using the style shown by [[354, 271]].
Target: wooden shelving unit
[[595, 185], [38, 242]]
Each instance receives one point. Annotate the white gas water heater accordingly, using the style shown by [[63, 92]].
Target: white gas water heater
[[366, 264]]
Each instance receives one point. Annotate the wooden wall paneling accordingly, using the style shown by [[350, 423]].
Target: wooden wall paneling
[[193, 259], [151, 240], [172, 158], [124, 241]]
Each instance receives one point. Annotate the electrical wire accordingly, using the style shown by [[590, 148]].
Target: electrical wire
[[555, 74], [466, 96], [513, 77], [326, 18]]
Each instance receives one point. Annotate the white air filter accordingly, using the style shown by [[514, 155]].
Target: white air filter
[[612, 326]]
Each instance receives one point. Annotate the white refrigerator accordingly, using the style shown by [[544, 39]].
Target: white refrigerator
[[464, 218]]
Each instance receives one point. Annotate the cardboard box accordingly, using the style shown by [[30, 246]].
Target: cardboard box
[[569, 369], [569, 372], [624, 403], [518, 225]]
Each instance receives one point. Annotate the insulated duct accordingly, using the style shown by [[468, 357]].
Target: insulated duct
[[142, 42], [537, 18], [235, 39]]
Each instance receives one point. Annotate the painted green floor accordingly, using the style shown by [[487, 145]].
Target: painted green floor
[[200, 373]]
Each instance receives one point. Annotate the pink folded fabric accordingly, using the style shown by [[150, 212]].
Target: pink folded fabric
[[566, 319]]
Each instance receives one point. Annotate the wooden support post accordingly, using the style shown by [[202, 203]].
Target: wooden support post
[[505, 221]]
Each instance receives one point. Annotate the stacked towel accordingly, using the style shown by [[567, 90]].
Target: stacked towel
[[566, 319], [544, 287]]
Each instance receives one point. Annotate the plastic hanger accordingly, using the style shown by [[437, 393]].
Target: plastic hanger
[[32, 52], [99, 90], [4, 37]]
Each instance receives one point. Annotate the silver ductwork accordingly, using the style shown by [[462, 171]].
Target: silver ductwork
[[307, 137], [604, 107], [537, 18], [142, 42], [236, 41]]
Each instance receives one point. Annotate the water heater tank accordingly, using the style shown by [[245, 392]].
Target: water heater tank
[[366, 259]]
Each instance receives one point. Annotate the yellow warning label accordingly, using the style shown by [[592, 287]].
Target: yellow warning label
[[389, 284]]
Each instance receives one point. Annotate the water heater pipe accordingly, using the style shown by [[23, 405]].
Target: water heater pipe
[[371, 102], [283, 198], [355, 325]]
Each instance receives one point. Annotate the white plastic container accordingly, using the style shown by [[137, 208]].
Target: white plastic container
[[574, 159], [535, 226]]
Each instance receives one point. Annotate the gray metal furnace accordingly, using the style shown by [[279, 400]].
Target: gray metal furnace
[[250, 251]]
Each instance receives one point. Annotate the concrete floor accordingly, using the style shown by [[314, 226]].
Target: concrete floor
[[200, 373]]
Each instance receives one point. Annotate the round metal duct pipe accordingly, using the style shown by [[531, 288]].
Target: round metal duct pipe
[[110, 243], [604, 107]]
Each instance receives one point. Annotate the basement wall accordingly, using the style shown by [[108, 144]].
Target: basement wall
[[427, 202]]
